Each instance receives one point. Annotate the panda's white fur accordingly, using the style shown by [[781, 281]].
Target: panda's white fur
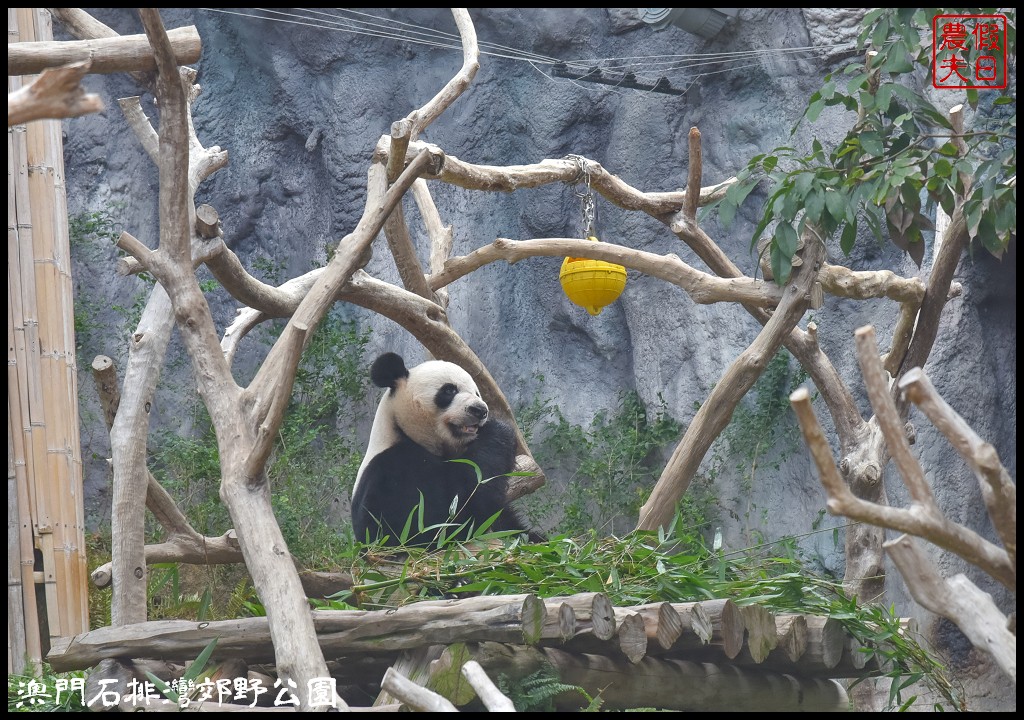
[[428, 415], [408, 407]]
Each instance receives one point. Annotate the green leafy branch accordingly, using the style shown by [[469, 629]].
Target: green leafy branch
[[899, 148]]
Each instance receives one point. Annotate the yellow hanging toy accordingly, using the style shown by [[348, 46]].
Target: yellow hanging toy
[[591, 284]]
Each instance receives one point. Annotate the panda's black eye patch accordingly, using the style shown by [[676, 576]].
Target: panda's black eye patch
[[445, 395]]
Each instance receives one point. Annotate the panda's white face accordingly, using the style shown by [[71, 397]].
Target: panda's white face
[[436, 404], [439, 407]]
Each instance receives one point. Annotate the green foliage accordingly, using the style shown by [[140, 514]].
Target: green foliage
[[193, 672], [610, 466], [267, 269], [536, 692], [167, 599], [98, 225], [670, 565], [899, 149], [47, 692]]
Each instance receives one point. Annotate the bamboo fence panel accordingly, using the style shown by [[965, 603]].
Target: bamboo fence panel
[[43, 433]]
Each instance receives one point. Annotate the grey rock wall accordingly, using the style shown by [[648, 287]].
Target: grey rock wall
[[299, 109]]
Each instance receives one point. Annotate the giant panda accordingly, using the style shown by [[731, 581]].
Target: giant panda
[[430, 415]]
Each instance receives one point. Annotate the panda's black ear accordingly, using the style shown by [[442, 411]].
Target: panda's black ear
[[387, 370]]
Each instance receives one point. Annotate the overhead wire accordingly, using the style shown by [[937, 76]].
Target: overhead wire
[[347, 20]]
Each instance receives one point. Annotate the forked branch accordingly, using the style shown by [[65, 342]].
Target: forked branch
[[923, 518]]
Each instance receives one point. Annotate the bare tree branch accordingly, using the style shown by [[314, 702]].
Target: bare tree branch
[[997, 488], [889, 422], [415, 696], [849, 424], [120, 53], [297, 653], [507, 178], [144, 131], [703, 288], [843, 282], [54, 94], [441, 235], [695, 173], [922, 518], [486, 690], [715, 412], [958, 600], [425, 115], [281, 362]]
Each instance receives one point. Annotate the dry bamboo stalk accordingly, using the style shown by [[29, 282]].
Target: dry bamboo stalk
[[65, 366], [20, 283], [17, 649], [19, 428], [23, 276], [62, 489], [53, 480]]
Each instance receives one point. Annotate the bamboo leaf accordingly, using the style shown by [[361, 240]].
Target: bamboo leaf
[[849, 237]]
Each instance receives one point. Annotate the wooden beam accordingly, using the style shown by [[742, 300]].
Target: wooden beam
[[668, 684], [127, 53]]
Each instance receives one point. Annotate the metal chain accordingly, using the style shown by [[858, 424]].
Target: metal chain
[[587, 206]]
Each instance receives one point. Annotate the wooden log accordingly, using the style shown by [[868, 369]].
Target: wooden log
[[207, 221], [856, 661], [559, 622], [596, 627], [695, 621], [792, 637], [761, 636], [632, 637], [127, 53], [826, 639], [594, 612], [668, 684], [340, 632], [104, 375], [727, 628], [662, 624]]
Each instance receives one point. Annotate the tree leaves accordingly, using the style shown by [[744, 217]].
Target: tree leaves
[[900, 150]]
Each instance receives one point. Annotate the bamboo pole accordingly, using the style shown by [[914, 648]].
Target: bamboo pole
[[19, 234], [40, 299], [69, 368], [47, 425]]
